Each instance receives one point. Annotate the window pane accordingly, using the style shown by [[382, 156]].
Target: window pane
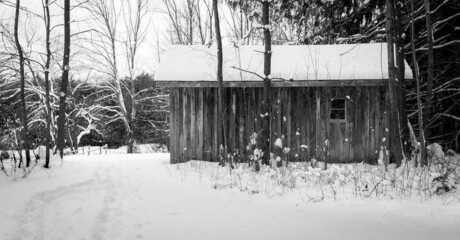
[[338, 114], [338, 104]]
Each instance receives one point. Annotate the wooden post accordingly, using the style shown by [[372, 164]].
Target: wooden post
[[89, 150], [106, 147]]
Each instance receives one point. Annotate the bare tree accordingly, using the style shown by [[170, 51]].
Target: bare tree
[[221, 114], [395, 140], [189, 22], [47, 19], [106, 15], [401, 81], [264, 137], [429, 79], [104, 46], [136, 27], [23, 81], [417, 80], [64, 81]]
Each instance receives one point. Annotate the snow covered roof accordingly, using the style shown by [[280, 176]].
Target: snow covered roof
[[188, 63]]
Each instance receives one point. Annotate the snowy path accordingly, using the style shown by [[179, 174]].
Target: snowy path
[[136, 197]]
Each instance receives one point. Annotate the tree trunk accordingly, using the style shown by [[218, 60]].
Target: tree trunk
[[64, 81], [417, 80], [222, 136], [264, 139], [48, 113], [394, 126], [69, 138], [190, 15], [401, 83], [429, 79], [75, 133], [130, 137], [25, 137]]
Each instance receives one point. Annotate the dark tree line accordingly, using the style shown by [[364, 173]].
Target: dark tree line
[[109, 110], [358, 21]]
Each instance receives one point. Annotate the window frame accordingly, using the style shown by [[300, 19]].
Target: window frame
[[344, 109]]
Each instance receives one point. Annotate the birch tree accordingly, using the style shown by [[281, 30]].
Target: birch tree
[[136, 23], [108, 18]]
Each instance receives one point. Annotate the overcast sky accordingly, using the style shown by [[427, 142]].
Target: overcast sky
[[32, 34], [32, 27]]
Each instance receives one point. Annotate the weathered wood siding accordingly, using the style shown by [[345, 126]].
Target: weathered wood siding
[[300, 114]]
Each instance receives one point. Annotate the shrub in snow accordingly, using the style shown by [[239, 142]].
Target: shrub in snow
[[279, 156], [4, 155], [360, 180], [445, 174], [434, 153]]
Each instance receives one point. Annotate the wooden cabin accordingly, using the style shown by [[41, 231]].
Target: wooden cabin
[[336, 93]]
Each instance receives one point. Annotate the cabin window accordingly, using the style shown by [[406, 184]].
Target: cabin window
[[338, 110]]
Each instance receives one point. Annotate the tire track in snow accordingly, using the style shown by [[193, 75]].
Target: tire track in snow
[[84, 210], [108, 223], [38, 220]]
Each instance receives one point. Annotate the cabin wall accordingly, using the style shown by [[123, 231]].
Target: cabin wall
[[300, 114]]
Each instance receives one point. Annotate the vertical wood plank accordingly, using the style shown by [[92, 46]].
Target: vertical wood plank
[[301, 113], [377, 127], [318, 123], [207, 124], [250, 117], [290, 136], [240, 113], [278, 113], [372, 106], [199, 124], [305, 124], [187, 125], [312, 121], [181, 125], [385, 127], [232, 120], [348, 103], [216, 128], [192, 144], [351, 134], [172, 124], [367, 120]]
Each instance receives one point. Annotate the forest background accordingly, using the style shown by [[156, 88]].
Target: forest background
[[115, 48]]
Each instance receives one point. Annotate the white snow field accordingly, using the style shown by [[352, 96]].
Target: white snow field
[[141, 196]]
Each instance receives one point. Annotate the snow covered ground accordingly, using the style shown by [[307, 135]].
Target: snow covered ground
[[143, 197]]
